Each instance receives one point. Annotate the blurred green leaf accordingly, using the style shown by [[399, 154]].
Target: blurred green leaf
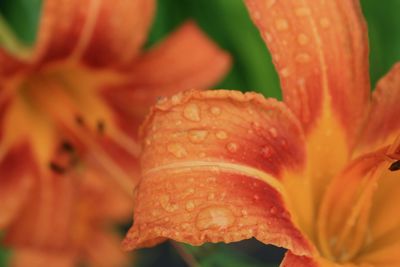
[[23, 18], [384, 35]]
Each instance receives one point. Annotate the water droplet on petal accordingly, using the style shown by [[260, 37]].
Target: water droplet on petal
[[303, 11], [190, 206], [256, 15], [211, 196], [244, 212], [192, 112], [221, 135], [256, 197], [302, 39], [177, 150], [214, 217], [197, 136], [303, 58], [273, 210], [167, 205], [325, 22], [281, 24], [215, 111], [266, 151], [232, 147], [273, 132], [284, 72]]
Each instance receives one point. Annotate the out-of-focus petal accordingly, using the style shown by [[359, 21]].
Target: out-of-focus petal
[[15, 183], [220, 166], [99, 31], [383, 122], [40, 258], [9, 64], [104, 251], [187, 59], [46, 218], [320, 50]]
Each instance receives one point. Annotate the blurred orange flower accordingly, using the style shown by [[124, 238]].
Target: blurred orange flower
[[315, 174], [70, 109]]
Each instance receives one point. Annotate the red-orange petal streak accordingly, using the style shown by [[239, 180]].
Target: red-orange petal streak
[[214, 168], [383, 122], [100, 31], [320, 50]]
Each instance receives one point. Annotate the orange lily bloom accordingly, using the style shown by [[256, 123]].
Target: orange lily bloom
[[69, 115], [315, 174]]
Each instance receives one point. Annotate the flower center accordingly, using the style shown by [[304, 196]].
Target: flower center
[[60, 112], [344, 218]]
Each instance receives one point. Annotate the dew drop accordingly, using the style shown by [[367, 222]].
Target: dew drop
[[266, 151], [302, 39], [192, 112], [221, 135], [211, 196], [256, 15], [273, 210], [244, 212], [232, 147], [281, 24], [256, 197], [147, 141], [303, 11], [273, 132], [197, 136], [215, 111], [214, 217], [325, 22], [190, 206], [303, 58], [177, 150], [284, 72], [167, 205]]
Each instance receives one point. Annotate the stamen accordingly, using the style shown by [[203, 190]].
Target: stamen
[[101, 126], [395, 166], [56, 168], [67, 147]]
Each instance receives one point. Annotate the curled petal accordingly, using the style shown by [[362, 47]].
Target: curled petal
[[99, 31], [345, 215], [40, 258], [167, 69], [383, 123], [215, 168], [15, 184], [320, 50]]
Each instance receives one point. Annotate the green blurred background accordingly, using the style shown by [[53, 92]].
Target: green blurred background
[[227, 22]]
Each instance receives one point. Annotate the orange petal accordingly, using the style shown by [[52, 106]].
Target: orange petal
[[343, 223], [215, 168], [48, 211], [104, 251], [100, 32], [383, 122], [292, 260], [167, 69], [40, 258], [15, 183], [320, 50], [9, 64]]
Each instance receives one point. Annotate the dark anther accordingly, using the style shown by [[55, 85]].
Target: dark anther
[[67, 146], [395, 166], [79, 120], [56, 168], [100, 126]]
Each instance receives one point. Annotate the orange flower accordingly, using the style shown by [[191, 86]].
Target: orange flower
[[315, 174], [69, 114]]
